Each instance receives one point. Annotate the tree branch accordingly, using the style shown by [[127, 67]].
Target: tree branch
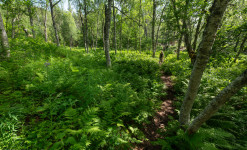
[[56, 3], [128, 16]]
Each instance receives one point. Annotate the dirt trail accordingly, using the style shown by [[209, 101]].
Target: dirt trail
[[160, 120]]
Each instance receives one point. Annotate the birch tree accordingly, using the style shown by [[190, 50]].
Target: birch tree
[[219, 100], [107, 32], [4, 39], [52, 5], [213, 22]]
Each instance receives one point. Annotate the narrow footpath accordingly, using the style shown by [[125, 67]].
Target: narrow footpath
[[161, 118]]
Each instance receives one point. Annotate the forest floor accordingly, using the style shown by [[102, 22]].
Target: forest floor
[[161, 117]]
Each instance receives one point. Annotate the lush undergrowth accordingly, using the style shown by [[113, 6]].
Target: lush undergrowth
[[227, 129], [57, 98]]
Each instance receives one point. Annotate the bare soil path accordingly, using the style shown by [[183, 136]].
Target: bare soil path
[[161, 118]]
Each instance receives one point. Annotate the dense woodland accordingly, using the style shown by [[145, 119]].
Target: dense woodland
[[87, 74]]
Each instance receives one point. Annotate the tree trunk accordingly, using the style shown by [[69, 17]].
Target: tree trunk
[[97, 31], [7, 18], [45, 22], [85, 27], [31, 17], [197, 33], [25, 30], [240, 49], [114, 19], [179, 45], [82, 22], [218, 101], [13, 28], [178, 27], [153, 26], [107, 32], [140, 38], [120, 44], [145, 29], [103, 30], [70, 43], [199, 26], [54, 22], [187, 38], [4, 39], [213, 22], [157, 35], [187, 42], [236, 45]]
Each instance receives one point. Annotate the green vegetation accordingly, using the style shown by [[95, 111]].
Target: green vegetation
[[227, 128], [56, 98], [123, 74]]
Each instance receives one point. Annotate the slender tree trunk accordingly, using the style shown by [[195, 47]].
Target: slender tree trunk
[[7, 18], [153, 26], [213, 22], [82, 22], [145, 29], [45, 22], [121, 26], [140, 38], [217, 102], [187, 42], [179, 45], [25, 30], [70, 43], [85, 35], [4, 40], [114, 19], [103, 30], [13, 27], [187, 38], [128, 44], [178, 27], [97, 31], [197, 33], [236, 45], [107, 32], [54, 22], [158, 30], [240, 49], [31, 18], [199, 26]]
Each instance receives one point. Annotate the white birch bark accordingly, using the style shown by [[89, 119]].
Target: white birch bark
[[219, 100], [107, 32], [4, 39], [213, 22]]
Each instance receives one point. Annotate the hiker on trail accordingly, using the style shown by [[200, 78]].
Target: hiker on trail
[[161, 57]]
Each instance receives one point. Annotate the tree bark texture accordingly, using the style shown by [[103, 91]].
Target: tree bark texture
[[4, 39], [107, 32], [97, 30], [178, 27], [54, 22], [29, 8], [213, 22], [218, 101], [187, 38], [45, 22], [85, 31], [179, 45], [240, 49], [153, 26], [199, 25], [13, 27], [114, 32]]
